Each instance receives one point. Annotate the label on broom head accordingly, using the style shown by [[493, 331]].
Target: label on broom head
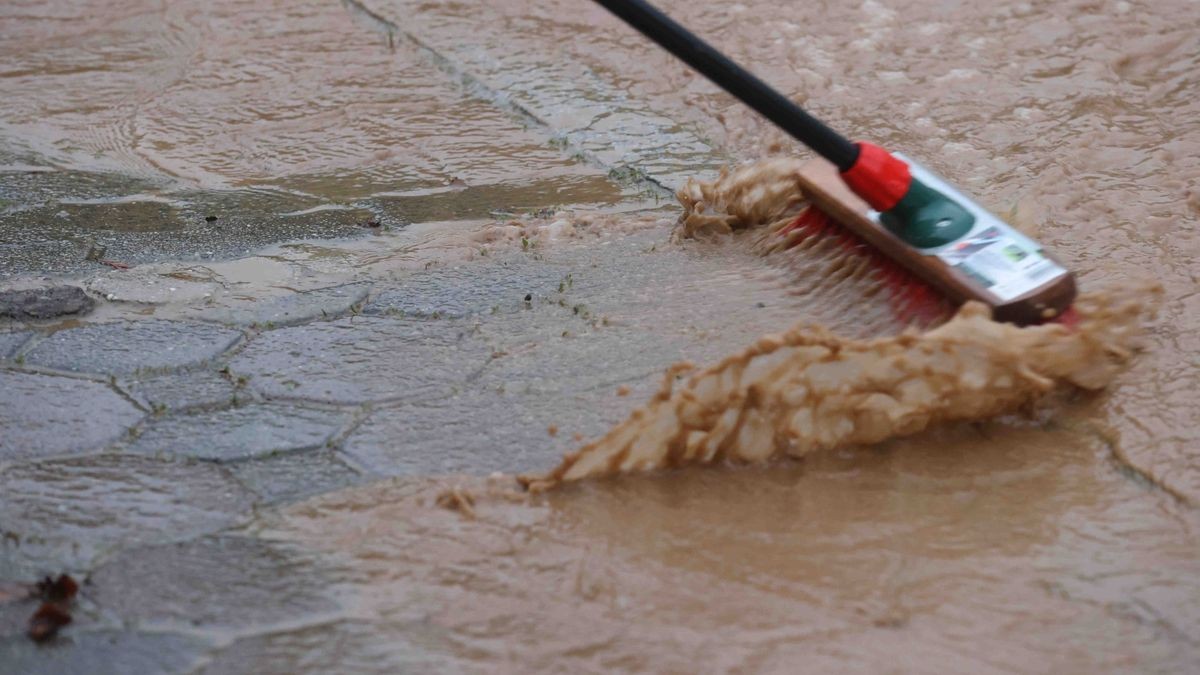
[[1007, 264], [992, 254]]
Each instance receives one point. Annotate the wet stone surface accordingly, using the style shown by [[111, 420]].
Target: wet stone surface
[[465, 433], [103, 653], [290, 310], [44, 303], [148, 286], [238, 433], [180, 391], [213, 582], [419, 648], [599, 358], [128, 347], [52, 235], [44, 415], [362, 359], [458, 292], [67, 512], [294, 476], [11, 342]]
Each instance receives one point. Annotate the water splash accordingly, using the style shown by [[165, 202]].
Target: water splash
[[806, 389]]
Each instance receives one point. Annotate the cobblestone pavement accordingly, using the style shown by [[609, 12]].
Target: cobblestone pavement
[[227, 376], [136, 450]]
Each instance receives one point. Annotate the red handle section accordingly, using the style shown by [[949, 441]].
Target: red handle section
[[878, 177]]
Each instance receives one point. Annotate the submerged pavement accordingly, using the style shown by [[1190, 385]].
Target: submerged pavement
[[136, 450], [331, 246]]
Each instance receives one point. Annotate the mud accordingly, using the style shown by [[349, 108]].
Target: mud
[[972, 542], [807, 390], [976, 498]]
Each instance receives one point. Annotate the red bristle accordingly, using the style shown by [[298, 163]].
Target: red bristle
[[1069, 318], [911, 299]]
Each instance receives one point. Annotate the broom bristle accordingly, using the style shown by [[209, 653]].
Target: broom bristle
[[912, 300]]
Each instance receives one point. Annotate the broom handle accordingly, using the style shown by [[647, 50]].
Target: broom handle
[[736, 80]]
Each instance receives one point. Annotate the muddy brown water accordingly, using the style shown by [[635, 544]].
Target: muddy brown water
[[1066, 542]]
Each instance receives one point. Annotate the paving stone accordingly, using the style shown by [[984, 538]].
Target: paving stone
[[102, 653], [64, 513], [44, 415], [239, 433], [218, 581], [44, 303], [591, 359], [295, 476], [127, 347], [483, 431], [290, 310], [180, 391], [148, 285], [11, 342], [458, 292], [360, 359], [416, 646]]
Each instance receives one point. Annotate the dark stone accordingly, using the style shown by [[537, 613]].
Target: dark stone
[[44, 303]]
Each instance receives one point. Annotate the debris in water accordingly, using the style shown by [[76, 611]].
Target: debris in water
[[46, 622], [115, 265], [62, 589], [457, 499], [54, 612]]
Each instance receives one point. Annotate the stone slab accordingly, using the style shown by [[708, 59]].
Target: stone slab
[[421, 647], [45, 415], [457, 292], [238, 433], [181, 391], [361, 359], [295, 476], [591, 359], [216, 582], [127, 347], [103, 653], [65, 513], [483, 431], [11, 342], [149, 285], [291, 310]]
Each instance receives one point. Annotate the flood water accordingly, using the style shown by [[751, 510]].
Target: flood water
[[1062, 540]]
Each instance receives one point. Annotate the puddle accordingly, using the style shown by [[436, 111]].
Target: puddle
[[979, 544], [1060, 540]]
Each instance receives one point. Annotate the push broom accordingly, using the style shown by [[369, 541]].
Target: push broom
[[924, 230]]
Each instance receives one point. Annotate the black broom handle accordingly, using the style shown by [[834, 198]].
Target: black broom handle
[[736, 80]]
